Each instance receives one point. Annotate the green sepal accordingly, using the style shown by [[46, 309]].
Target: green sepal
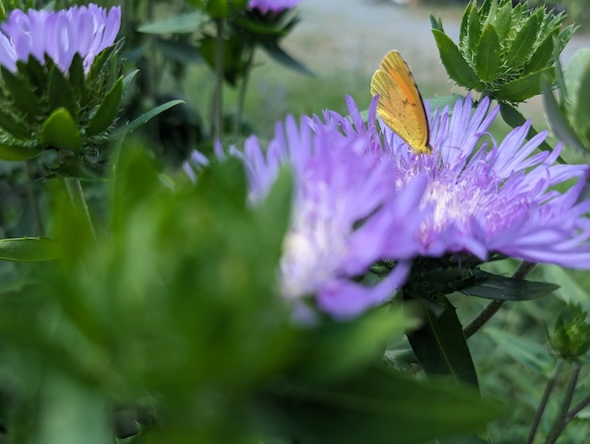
[[28, 249], [61, 131], [520, 47], [107, 111], [35, 72], [121, 132], [463, 29], [503, 288], [181, 24], [542, 55], [473, 30], [15, 153], [487, 60], [20, 92], [456, 66], [76, 75], [12, 126], [503, 20], [61, 93], [440, 345], [436, 24], [523, 88], [128, 79]]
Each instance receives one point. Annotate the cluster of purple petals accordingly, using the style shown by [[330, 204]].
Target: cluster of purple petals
[[486, 197], [345, 209], [60, 35], [274, 6]]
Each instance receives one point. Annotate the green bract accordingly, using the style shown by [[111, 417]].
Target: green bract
[[72, 114], [503, 51]]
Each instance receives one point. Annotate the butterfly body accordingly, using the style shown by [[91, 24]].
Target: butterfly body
[[400, 103]]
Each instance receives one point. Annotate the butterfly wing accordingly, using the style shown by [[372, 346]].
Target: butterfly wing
[[400, 104]]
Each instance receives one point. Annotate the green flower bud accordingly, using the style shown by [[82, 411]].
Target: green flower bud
[[503, 50], [570, 337]]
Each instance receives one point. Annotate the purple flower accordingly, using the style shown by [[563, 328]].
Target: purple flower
[[347, 211], [483, 197], [61, 34], [274, 6]]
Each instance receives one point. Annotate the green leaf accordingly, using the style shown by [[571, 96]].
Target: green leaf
[[503, 20], [28, 249], [129, 127], [529, 353], [487, 60], [280, 56], [523, 88], [182, 24], [20, 92], [502, 288], [542, 55], [473, 31], [61, 93], [464, 23], [10, 125], [440, 345], [436, 24], [60, 131], [378, 406], [441, 102], [107, 111], [18, 153], [128, 79], [456, 66], [520, 47], [76, 74], [559, 124]]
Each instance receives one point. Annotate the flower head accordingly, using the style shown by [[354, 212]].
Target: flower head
[[61, 34], [274, 6], [347, 213], [484, 197]]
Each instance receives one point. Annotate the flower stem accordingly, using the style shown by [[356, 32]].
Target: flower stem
[[492, 308], [34, 204], [577, 409], [560, 421], [218, 100], [78, 201], [539, 413], [242, 93]]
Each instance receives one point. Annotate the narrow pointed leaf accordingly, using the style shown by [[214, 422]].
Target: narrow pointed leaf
[[129, 127], [464, 22], [61, 93], [18, 153], [60, 131], [456, 66], [76, 75], [28, 249], [20, 92], [107, 111], [440, 345], [473, 30], [542, 55], [502, 288], [277, 53], [503, 19], [10, 125], [487, 60], [523, 88], [128, 79], [520, 48]]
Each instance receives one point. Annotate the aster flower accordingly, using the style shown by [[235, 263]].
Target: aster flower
[[485, 197], [346, 207], [60, 35], [274, 6]]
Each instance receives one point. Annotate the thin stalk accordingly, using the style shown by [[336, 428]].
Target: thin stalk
[[577, 409], [560, 421], [78, 201], [218, 99], [242, 93], [544, 399], [33, 203], [492, 308]]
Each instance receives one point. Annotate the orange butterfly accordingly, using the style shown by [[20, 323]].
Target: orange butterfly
[[400, 103]]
